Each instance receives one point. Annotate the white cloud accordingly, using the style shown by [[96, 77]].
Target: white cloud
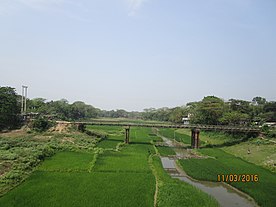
[[134, 6]]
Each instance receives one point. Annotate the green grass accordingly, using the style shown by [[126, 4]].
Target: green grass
[[121, 178], [262, 152], [64, 180], [165, 151], [128, 120], [82, 189], [133, 158], [173, 192], [67, 161], [90, 176], [142, 135], [263, 191], [115, 135], [179, 136], [111, 130], [206, 138], [111, 142]]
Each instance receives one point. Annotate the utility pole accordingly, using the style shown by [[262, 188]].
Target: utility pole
[[24, 99], [25, 109]]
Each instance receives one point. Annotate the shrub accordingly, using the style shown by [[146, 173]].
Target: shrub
[[41, 124]]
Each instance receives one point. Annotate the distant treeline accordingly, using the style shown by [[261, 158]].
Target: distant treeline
[[210, 110]]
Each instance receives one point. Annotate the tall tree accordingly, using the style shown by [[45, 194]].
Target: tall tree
[[9, 108], [210, 109]]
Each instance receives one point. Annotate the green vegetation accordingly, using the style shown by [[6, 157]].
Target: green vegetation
[[221, 162], [261, 152], [113, 135], [67, 161], [21, 152], [9, 108], [173, 192], [82, 189], [79, 172], [133, 158], [210, 110], [165, 151], [178, 135], [70, 179], [207, 138], [41, 124]]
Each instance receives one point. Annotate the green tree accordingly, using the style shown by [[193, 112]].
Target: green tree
[[177, 114], [234, 118], [270, 111], [41, 124], [208, 111], [9, 108], [258, 100], [240, 106]]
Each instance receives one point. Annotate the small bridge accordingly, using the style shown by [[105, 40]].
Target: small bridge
[[195, 128]]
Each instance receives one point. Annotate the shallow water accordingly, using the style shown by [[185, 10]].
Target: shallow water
[[225, 195]]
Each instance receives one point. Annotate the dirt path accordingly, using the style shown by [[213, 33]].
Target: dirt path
[[150, 161]]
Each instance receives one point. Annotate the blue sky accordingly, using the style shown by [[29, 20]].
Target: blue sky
[[136, 54]]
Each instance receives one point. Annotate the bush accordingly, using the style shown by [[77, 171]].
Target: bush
[[41, 124]]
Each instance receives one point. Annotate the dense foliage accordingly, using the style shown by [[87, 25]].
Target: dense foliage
[[210, 110], [9, 108], [41, 124], [213, 110]]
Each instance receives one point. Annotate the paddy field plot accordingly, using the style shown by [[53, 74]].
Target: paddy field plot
[[70, 184], [222, 163]]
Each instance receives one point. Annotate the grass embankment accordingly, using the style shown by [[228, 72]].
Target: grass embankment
[[262, 152], [222, 163]]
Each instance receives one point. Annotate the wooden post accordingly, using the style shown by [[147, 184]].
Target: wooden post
[[127, 128]]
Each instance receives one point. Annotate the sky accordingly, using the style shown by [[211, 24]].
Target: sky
[[137, 54]]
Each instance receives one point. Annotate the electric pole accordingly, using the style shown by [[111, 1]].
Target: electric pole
[[24, 99]]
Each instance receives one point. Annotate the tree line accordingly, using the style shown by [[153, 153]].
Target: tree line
[[210, 110], [215, 111]]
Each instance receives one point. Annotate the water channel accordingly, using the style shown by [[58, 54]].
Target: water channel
[[226, 195]]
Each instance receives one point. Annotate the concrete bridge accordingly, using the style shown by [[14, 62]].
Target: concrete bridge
[[195, 128]]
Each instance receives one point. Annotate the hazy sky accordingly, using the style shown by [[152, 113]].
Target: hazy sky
[[136, 54]]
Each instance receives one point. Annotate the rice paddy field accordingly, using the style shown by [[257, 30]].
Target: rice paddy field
[[252, 157], [221, 163], [88, 171]]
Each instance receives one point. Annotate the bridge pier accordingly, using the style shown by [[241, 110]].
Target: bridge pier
[[81, 127], [127, 128], [195, 138]]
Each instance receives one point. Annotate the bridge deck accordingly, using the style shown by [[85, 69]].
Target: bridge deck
[[180, 126]]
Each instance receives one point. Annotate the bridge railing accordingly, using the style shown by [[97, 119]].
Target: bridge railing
[[175, 126]]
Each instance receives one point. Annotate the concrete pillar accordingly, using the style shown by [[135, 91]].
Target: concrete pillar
[[127, 128], [195, 138]]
